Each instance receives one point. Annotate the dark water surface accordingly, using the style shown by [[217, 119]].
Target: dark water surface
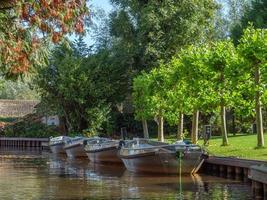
[[35, 176]]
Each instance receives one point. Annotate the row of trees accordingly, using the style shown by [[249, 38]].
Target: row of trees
[[134, 37], [137, 36], [206, 78], [84, 87]]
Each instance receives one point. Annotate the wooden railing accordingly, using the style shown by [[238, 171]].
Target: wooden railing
[[20, 142]]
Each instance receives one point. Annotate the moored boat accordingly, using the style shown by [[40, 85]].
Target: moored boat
[[143, 155], [102, 150], [56, 144], [75, 147]]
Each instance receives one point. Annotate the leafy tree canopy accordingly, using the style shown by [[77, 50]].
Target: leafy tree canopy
[[253, 11], [150, 31], [25, 25]]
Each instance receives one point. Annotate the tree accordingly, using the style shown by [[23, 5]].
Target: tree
[[146, 33], [141, 100], [222, 61], [25, 25], [158, 30], [194, 72], [177, 99], [253, 48], [150, 97], [20, 89], [250, 11], [77, 88]]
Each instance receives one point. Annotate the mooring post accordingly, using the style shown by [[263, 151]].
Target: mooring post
[[229, 171], [253, 187], [222, 170], [245, 177], [265, 191], [258, 190], [238, 173], [214, 169], [207, 168]]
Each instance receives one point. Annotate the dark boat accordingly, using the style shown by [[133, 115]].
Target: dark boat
[[102, 150], [75, 147], [143, 155], [56, 144]]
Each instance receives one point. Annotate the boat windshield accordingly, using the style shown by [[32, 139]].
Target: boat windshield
[[59, 139], [142, 143], [74, 140], [97, 141]]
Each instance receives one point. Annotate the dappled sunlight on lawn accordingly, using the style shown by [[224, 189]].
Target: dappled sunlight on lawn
[[243, 146]]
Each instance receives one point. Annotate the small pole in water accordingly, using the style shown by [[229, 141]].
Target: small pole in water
[[180, 176]]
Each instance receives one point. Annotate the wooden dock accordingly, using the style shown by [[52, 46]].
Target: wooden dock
[[19, 142], [258, 175], [251, 171]]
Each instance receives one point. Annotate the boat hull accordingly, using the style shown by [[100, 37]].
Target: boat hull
[[75, 151], [57, 148], [104, 155], [162, 162]]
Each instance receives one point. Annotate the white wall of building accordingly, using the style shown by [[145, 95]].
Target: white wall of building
[[51, 120]]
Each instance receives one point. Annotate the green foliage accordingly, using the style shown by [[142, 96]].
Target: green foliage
[[253, 48], [99, 116], [7, 119], [20, 89], [29, 129], [150, 94], [141, 96], [195, 74], [253, 11], [146, 33], [157, 30], [204, 78], [176, 91], [76, 87], [229, 82]]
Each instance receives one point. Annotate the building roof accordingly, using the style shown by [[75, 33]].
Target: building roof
[[17, 108]]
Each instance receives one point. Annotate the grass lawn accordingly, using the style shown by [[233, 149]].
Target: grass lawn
[[242, 146]]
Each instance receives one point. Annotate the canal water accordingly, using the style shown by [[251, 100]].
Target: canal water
[[34, 175]]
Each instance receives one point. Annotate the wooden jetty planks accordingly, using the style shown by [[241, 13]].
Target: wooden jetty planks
[[258, 173], [234, 162]]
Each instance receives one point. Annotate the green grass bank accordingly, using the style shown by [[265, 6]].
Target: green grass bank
[[241, 146]]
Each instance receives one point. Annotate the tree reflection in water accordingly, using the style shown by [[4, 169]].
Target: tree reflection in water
[[37, 176]]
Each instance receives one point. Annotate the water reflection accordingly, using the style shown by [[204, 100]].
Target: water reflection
[[25, 175]]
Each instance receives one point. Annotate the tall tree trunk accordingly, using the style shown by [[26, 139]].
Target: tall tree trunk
[[223, 113], [223, 125], [194, 136], [145, 129], [258, 108], [160, 129], [180, 126]]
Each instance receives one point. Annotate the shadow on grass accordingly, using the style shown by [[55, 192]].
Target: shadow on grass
[[260, 148]]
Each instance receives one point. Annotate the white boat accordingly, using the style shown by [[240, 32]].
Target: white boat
[[103, 150], [56, 144], [75, 147], [143, 155]]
